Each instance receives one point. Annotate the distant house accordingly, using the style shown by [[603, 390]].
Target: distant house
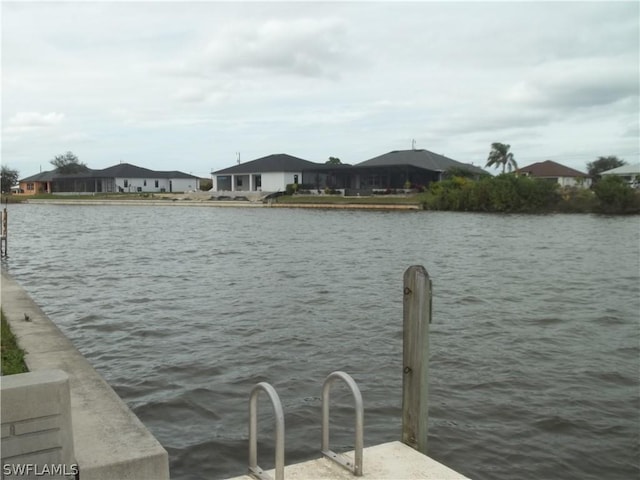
[[270, 174], [39, 183], [393, 170], [122, 177], [630, 173], [555, 172]]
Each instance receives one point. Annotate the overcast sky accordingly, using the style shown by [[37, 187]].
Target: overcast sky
[[187, 85]]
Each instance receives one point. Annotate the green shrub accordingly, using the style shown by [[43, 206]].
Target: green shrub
[[616, 196], [577, 200], [291, 188], [504, 193]]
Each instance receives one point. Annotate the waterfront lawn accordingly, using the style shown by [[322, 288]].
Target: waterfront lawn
[[12, 354], [4, 199], [96, 196], [339, 199]]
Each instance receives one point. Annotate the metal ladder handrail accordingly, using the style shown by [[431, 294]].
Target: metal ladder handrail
[[254, 469], [359, 410]]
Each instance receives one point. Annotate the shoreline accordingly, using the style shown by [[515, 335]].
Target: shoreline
[[225, 203]]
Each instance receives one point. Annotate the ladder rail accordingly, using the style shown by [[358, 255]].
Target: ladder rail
[[254, 469], [356, 468]]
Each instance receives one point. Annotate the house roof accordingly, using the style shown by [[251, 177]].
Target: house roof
[[121, 170], [630, 169], [418, 158], [54, 175], [128, 170], [549, 168], [279, 162], [40, 177]]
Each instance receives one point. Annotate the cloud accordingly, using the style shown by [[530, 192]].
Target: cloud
[[28, 122], [369, 76], [300, 47], [578, 83], [195, 95], [632, 131], [35, 119], [190, 95], [76, 137]]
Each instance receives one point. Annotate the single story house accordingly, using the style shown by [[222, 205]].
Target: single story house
[[556, 172], [122, 177], [270, 174], [392, 170], [630, 173]]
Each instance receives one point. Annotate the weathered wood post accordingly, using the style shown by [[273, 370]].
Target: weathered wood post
[[415, 353], [4, 234]]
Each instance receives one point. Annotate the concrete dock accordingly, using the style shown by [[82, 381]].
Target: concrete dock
[[387, 461]]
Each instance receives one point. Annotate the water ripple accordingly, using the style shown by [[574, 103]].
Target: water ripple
[[534, 344]]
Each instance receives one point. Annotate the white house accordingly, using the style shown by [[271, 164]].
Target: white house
[[130, 178], [630, 173], [550, 170], [268, 174], [123, 178]]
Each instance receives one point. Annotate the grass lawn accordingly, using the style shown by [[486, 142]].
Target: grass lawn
[[97, 196], [12, 354]]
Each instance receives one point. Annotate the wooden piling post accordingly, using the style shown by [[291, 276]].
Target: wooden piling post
[[415, 352], [4, 234]]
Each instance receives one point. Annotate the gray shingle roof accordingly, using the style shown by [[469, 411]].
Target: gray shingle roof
[[40, 177], [126, 170], [418, 158], [121, 170], [279, 162]]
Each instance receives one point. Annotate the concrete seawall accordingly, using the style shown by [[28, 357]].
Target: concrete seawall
[[230, 203], [109, 440]]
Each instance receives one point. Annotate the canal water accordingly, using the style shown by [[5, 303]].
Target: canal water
[[535, 342]]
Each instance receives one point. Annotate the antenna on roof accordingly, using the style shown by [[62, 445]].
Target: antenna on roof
[[238, 157], [413, 144]]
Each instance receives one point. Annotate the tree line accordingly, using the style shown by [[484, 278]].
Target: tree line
[[500, 156], [513, 193], [65, 163]]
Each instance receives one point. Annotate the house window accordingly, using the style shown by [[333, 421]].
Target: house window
[[156, 183], [29, 186], [238, 181], [144, 183], [374, 181], [126, 183]]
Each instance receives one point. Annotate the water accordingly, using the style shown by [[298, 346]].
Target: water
[[535, 344]]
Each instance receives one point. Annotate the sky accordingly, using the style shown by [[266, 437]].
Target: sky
[[195, 86]]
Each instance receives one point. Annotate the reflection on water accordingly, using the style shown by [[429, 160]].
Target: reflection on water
[[534, 345]]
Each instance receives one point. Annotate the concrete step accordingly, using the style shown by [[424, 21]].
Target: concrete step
[[388, 461]]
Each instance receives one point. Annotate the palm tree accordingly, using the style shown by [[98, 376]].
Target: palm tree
[[500, 155]]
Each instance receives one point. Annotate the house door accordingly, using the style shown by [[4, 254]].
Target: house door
[[170, 186]]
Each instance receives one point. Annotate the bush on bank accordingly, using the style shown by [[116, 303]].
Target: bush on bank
[[509, 193], [616, 196]]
